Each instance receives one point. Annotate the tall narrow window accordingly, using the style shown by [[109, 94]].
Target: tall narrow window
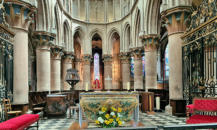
[[132, 67], [166, 63], [143, 65], [96, 66]]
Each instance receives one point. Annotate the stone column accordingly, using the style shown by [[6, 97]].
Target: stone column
[[125, 65], [19, 22], [66, 64], [150, 44], [86, 71], [56, 54], [44, 41], [78, 67], [175, 19], [107, 59], [138, 75]]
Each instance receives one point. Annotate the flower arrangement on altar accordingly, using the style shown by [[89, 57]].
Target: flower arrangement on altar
[[109, 117]]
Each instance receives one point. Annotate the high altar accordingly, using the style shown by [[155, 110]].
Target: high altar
[[91, 102]]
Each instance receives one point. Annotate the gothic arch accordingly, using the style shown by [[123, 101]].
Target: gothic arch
[[110, 36], [94, 31], [66, 35], [126, 37], [137, 28]]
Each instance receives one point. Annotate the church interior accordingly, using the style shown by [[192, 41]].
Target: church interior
[[108, 64]]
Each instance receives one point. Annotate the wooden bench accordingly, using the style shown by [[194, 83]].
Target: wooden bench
[[20, 122], [202, 111]]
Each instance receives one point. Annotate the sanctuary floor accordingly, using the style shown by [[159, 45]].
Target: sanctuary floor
[[158, 119]]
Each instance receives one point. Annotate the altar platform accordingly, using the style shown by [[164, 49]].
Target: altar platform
[[91, 102]]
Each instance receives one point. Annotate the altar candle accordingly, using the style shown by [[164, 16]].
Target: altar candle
[[86, 87], [158, 103], [128, 86]]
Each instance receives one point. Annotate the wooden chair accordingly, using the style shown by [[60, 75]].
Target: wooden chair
[[8, 109]]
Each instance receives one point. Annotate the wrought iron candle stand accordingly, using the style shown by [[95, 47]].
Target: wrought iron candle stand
[[72, 78]]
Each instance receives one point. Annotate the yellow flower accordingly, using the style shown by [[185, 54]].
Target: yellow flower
[[119, 122], [107, 116], [107, 122], [103, 109], [114, 116], [97, 122], [111, 120], [117, 119], [114, 109], [119, 109]]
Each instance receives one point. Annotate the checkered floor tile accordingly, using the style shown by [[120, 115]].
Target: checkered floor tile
[[157, 119]]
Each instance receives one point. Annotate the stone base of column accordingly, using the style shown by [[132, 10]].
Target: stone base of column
[[169, 109]]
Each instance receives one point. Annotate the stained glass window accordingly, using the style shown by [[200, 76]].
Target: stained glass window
[[96, 66], [143, 65], [166, 63], [132, 66]]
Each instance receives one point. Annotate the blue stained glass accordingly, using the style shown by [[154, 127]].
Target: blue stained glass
[[143, 65], [167, 68], [132, 66]]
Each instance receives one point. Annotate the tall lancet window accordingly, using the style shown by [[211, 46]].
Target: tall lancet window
[[143, 65], [167, 68], [96, 66], [132, 67]]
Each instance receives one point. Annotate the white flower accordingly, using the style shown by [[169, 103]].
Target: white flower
[[112, 113], [123, 122], [100, 112], [100, 119], [119, 115]]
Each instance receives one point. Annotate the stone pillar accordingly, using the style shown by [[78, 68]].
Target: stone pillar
[[19, 22], [125, 65], [150, 43], [86, 71], [44, 41], [175, 19], [107, 59], [78, 67], [56, 54], [138, 75], [66, 64]]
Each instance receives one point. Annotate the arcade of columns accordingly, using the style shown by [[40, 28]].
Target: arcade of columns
[[53, 61]]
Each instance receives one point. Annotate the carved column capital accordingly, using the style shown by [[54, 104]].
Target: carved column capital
[[86, 58], [56, 52], [19, 14], [43, 39], [151, 42], [175, 19], [107, 59], [137, 53], [125, 57]]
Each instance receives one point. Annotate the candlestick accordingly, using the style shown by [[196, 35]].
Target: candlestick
[[158, 103], [86, 87], [128, 86]]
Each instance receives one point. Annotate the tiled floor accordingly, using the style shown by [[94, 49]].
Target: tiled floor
[[158, 119]]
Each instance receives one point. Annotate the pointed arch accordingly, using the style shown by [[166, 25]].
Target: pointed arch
[[137, 28], [66, 35], [126, 37], [110, 36]]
